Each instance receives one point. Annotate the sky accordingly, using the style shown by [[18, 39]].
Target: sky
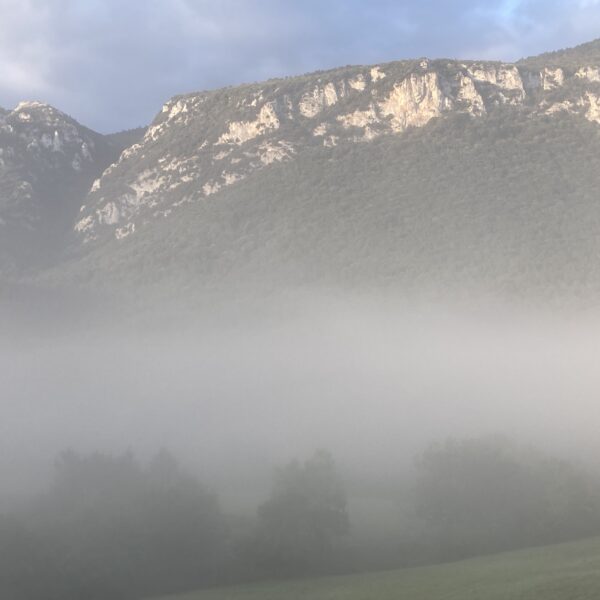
[[111, 64]]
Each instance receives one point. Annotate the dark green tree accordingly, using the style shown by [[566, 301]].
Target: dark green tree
[[113, 528], [487, 494], [300, 525]]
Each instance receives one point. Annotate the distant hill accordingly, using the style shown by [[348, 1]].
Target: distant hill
[[48, 162]]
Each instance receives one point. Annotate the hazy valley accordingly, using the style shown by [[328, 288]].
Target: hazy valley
[[396, 263]]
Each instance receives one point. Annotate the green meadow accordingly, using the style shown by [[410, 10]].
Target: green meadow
[[562, 572]]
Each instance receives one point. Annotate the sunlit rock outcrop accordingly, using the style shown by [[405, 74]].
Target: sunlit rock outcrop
[[552, 78]]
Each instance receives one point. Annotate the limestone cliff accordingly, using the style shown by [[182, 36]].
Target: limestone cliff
[[201, 143]]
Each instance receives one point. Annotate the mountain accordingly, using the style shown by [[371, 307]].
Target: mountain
[[202, 143], [47, 164], [418, 175]]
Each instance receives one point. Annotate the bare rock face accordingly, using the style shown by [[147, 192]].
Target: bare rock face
[[506, 79], [552, 78], [469, 97], [415, 101], [202, 143], [323, 96], [589, 73], [592, 103]]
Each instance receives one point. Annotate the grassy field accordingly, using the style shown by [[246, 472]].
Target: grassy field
[[563, 572]]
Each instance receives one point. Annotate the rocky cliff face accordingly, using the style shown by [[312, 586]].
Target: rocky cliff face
[[201, 143]]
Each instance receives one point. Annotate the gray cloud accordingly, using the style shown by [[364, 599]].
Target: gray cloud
[[111, 64]]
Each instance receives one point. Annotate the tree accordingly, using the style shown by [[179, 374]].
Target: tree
[[113, 528], [301, 523], [486, 494]]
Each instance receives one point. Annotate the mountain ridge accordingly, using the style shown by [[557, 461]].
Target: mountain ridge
[[203, 197], [352, 104]]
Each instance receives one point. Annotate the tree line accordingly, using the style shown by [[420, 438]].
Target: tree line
[[112, 527]]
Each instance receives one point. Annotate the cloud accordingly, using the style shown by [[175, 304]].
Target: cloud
[[111, 64]]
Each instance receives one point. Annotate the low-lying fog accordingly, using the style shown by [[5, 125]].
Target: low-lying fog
[[371, 381]]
